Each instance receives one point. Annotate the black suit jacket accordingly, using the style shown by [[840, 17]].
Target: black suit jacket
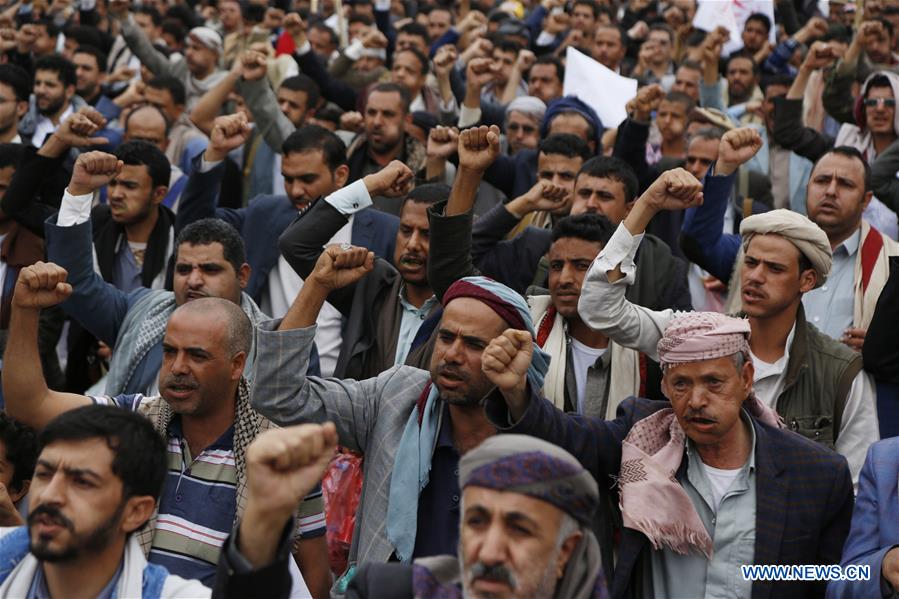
[[803, 490]]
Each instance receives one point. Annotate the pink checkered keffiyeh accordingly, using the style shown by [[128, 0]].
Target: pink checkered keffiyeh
[[652, 500]]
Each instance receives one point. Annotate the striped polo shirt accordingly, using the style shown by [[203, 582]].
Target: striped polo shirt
[[199, 499]]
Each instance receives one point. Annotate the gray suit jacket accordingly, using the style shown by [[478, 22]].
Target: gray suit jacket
[[370, 416]]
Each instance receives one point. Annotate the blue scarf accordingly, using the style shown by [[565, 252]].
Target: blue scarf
[[413, 456]]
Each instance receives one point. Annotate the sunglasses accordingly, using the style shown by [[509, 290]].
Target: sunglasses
[[887, 102]]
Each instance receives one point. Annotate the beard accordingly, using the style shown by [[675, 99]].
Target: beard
[[88, 543], [53, 107]]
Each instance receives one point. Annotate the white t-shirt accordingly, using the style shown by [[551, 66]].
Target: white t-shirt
[[283, 286], [583, 357], [720, 481]]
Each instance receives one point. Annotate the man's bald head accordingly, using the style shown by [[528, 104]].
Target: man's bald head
[[147, 123], [238, 328]]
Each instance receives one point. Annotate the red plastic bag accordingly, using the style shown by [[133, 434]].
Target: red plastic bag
[[341, 487]]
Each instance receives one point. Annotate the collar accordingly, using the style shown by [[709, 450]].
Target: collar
[[225, 441], [425, 307], [851, 244], [780, 364]]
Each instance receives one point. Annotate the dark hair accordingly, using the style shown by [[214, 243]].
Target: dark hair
[[554, 61], [416, 29], [98, 55], [691, 65], [320, 26], [839, 33], [182, 13], [887, 26], [760, 18], [50, 25], [364, 19], [314, 137], [138, 451], [421, 58], [171, 85], [877, 81], [622, 34], [589, 227], [850, 152], [21, 449], [329, 112], [429, 194], [593, 7], [304, 83], [54, 63], [507, 45], [388, 87], [733, 57], [606, 167], [147, 107], [10, 155], [175, 28], [85, 36], [143, 153], [780, 79], [566, 144], [665, 28], [682, 99], [207, 231], [18, 79], [253, 13], [151, 12], [695, 38]]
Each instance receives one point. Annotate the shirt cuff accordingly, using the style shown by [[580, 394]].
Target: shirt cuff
[[382, 5], [241, 565], [351, 199], [306, 48], [545, 39], [74, 210], [208, 165], [621, 249], [468, 116], [354, 50]]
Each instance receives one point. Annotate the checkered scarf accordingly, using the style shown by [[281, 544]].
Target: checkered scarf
[[247, 424]]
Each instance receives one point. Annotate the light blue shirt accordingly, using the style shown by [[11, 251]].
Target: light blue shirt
[[731, 526], [830, 306], [410, 321]]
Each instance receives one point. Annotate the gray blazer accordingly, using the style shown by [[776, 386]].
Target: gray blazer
[[370, 416]]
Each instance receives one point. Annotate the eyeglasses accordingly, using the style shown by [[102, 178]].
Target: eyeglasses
[[886, 102], [527, 129]]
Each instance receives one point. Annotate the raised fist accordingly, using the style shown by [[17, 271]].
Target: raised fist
[[254, 65], [92, 171], [737, 147], [352, 121], [442, 142], [675, 189], [478, 147], [296, 28], [228, 132], [76, 131], [480, 72], [393, 181], [647, 100], [444, 60], [821, 55], [506, 360], [543, 195], [41, 285], [341, 265]]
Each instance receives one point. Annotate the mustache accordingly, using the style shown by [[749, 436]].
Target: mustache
[[452, 371], [53, 514], [179, 381], [692, 414], [495, 573]]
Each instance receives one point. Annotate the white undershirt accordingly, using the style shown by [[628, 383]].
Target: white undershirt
[[720, 482], [283, 286], [582, 357]]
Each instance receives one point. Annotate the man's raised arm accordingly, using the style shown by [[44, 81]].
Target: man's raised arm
[[25, 391]]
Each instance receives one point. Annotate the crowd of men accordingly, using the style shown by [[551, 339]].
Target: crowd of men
[[350, 299]]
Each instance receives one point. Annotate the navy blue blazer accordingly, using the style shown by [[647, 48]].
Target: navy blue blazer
[[875, 526], [265, 218], [803, 490]]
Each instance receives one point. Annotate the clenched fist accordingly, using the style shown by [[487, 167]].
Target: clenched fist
[[505, 362], [737, 147], [228, 132], [675, 189], [341, 265], [41, 285], [92, 171], [478, 147], [393, 181]]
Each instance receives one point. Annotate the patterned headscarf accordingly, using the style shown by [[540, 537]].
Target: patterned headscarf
[[698, 336], [532, 467]]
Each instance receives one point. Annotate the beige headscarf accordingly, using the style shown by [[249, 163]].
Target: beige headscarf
[[798, 230]]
